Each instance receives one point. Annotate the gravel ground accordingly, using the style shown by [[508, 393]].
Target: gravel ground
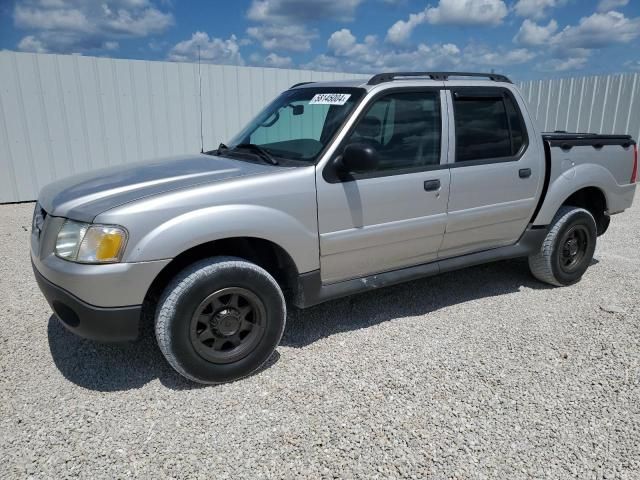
[[481, 373]]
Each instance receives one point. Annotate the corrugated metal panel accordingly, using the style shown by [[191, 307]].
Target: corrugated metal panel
[[62, 114], [603, 104]]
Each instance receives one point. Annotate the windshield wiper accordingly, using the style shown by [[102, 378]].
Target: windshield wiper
[[218, 150], [262, 153]]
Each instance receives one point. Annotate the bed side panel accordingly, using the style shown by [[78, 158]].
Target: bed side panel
[[607, 168]]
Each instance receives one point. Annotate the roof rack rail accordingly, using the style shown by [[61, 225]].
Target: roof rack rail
[[298, 84], [441, 76]]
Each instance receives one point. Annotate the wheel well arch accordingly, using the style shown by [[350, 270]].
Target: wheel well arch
[[264, 253], [594, 201]]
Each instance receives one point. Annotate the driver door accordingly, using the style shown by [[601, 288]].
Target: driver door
[[395, 216]]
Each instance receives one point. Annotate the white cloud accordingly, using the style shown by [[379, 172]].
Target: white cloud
[[295, 38], [467, 12], [127, 22], [38, 18], [450, 49], [346, 53], [212, 50], [32, 44], [283, 23], [484, 57], [571, 48], [633, 65], [402, 29], [158, 45], [531, 33], [563, 64], [536, 9], [606, 5], [286, 11], [572, 64], [453, 12], [275, 60], [67, 26], [343, 43], [598, 30], [271, 60]]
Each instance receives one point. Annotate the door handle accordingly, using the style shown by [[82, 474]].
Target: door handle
[[524, 173], [431, 185]]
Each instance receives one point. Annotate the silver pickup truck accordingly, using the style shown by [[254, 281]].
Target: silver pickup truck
[[334, 188]]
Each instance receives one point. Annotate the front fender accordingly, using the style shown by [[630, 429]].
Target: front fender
[[197, 227]]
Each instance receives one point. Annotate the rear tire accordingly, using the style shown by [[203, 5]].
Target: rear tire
[[220, 319], [568, 248]]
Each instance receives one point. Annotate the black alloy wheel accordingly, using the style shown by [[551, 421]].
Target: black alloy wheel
[[227, 325], [574, 247]]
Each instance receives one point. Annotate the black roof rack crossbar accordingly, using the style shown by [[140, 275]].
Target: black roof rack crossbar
[[298, 84], [441, 76]]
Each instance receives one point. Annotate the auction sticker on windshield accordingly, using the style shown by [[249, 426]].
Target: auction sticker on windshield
[[329, 99]]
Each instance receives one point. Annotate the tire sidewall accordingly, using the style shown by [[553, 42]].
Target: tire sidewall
[[576, 217], [227, 274]]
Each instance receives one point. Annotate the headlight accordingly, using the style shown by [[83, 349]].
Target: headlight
[[87, 243]]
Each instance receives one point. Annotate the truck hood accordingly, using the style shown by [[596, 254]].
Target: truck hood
[[83, 197]]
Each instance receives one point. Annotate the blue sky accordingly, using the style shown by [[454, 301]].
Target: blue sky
[[523, 38]]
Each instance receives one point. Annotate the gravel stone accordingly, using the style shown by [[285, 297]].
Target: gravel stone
[[480, 373]]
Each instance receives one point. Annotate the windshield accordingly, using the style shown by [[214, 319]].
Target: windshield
[[299, 123]]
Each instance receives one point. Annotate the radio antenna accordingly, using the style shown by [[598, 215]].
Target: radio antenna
[[200, 95]]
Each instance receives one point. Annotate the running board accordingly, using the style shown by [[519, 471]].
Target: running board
[[311, 291]]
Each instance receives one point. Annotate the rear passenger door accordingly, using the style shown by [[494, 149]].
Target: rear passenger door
[[496, 170], [395, 216]]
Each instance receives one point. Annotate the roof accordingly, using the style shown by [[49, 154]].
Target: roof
[[428, 77], [362, 82]]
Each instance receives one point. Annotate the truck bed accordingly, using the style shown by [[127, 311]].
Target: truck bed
[[578, 160], [566, 140], [614, 153]]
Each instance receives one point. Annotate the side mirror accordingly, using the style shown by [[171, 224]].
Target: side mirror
[[358, 158]]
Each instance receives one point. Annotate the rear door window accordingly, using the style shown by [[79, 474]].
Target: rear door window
[[488, 126]]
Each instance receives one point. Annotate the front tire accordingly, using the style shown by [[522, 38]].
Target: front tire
[[568, 248], [220, 319]]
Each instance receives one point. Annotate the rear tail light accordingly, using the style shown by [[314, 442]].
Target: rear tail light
[[634, 172]]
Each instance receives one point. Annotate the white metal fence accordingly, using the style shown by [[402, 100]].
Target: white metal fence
[[603, 104], [63, 114]]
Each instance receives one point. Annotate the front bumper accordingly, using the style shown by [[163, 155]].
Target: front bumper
[[88, 321]]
